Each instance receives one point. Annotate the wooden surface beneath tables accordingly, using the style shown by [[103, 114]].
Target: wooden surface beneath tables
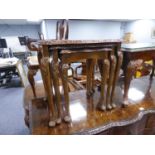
[[87, 120]]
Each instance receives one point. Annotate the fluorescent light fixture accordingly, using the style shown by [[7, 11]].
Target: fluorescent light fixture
[[33, 20]]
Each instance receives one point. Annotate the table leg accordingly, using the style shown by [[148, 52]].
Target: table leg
[[117, 72], [55, 75], [104, 70], [89, 70], [49, 90], [152, 74], [64, 76], [92, 90], [129, 72], [31, 74], [110, 81]]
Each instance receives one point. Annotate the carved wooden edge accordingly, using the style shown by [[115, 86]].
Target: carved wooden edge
[[78, 42], [107, 126], [78, 46], [33, 44]]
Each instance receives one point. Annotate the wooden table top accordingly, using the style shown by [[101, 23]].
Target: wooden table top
[[69, 44], [87, 120], [73, 44], [77, 42]]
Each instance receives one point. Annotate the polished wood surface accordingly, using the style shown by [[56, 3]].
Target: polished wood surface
[[137, 118]]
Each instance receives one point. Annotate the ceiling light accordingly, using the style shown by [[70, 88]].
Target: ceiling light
[[33, 20]]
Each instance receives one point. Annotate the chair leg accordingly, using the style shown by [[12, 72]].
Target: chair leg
[[64, 75], [104, 70]]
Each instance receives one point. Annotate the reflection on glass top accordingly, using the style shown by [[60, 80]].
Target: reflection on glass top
[[138, 46]]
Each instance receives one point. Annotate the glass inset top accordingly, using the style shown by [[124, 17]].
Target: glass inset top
[[138, 47]]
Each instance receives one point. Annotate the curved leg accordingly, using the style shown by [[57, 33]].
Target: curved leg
[[31, 74], [117, 72], [26, 118], [49, 91], [110, 81], [104, 70], [55, 73], [151, 76], [64, 75], [130, 71]]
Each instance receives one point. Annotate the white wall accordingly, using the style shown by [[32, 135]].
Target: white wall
[[84, 29], [43, 29], [94, 29], [20, 30], [141, 30], [48, 28], [14, 44], [11, 33]]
